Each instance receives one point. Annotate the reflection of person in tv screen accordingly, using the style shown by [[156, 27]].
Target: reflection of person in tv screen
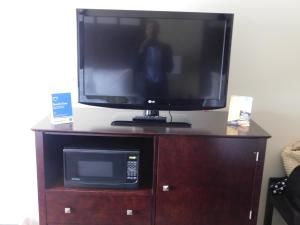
[[154, 62]]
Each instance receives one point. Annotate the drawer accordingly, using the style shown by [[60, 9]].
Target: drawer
[[93, 208]]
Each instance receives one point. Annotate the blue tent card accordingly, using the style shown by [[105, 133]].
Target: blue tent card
[[61, 108]]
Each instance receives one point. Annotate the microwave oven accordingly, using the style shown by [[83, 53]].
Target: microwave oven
[[101, 168]]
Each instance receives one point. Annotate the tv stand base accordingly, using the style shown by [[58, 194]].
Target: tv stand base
[[150, 118], [146, 122]]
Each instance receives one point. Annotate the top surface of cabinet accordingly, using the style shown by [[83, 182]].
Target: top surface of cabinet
[[96, 121]]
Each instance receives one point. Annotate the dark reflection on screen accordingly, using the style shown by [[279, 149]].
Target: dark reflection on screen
[[160, 58], [153, 63]]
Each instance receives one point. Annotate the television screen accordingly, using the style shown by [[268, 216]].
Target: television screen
[[153, 60]]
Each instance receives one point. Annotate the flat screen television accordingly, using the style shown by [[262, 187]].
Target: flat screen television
[[153, 60]]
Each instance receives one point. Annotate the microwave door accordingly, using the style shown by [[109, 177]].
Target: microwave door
[[102, 170], [96, 168]]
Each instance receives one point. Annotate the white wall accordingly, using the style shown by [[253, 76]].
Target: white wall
[[38, 56]]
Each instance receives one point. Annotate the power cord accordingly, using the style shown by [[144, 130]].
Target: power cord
[[170, 113]]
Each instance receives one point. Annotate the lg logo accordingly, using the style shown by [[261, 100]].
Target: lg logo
[[151, 101]]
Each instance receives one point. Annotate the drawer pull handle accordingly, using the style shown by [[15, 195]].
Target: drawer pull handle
[[129, 212], [166, 188], [67, 210]]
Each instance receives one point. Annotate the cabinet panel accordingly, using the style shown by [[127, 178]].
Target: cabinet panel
[[205, 180], [93, 208]]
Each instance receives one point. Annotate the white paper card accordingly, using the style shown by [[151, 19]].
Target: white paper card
[[240, 110]]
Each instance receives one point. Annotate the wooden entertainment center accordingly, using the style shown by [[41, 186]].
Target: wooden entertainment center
[[208, 174]]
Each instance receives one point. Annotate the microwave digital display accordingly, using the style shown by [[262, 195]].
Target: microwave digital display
[[101, 168]]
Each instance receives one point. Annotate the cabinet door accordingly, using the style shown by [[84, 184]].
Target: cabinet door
[[205, 180]]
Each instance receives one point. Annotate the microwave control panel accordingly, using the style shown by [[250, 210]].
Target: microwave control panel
[[132, 169]]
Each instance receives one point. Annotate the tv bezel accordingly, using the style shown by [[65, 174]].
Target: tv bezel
[[159, 103]]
